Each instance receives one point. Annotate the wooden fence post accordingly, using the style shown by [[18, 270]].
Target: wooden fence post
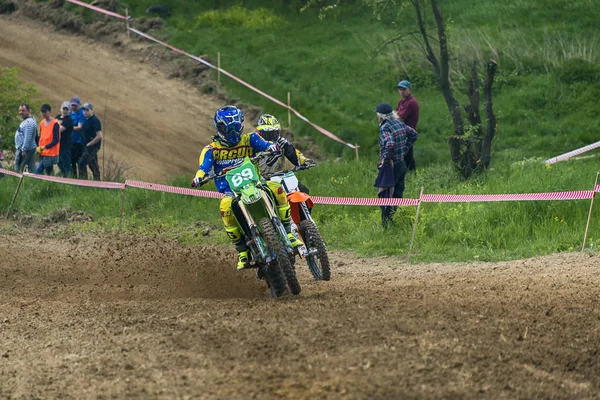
[[289, 110], [356, 150], [219, 68], [414, 231], [127, 22], [587, 225], [122, 209], [14, 196]]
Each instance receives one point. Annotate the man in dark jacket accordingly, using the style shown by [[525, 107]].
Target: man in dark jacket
[[92, 140], [66, 129], [408, 112]]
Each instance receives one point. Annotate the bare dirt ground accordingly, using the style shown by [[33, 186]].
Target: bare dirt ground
[[157, 126], [143, 318]]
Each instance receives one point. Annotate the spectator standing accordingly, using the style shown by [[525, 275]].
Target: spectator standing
[[49, 146], [66, 130], [408, 112], [25, 140], [395, 139], [77, 134], [92, 140]]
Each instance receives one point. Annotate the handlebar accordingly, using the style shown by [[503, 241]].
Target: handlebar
[[295, 169], [211, 175]]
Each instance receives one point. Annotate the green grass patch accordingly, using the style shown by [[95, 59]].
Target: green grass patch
[[446, 232]]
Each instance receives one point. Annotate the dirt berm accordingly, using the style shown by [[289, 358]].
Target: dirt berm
[[144, 318]]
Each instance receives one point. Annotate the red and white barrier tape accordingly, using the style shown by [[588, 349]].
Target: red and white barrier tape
[[573, 153], [345, 201], [348, 201], [469, 198], [363, 201], [100, 10], [77, 182], [174, 189], [244, 83], [11, 173]]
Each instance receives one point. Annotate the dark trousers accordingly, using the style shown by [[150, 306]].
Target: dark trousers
[[28, 160], [409, 158], [387, 212], [64, 162], [89, 159], [76, 152]]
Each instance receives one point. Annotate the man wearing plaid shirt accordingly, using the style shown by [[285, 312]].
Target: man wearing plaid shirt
[[395, 140]]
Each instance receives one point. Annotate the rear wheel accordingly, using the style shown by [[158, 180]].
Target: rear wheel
[[282, 267], [318, 263]]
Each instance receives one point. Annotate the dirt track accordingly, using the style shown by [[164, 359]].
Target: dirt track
[[157, 126], [88, 317]]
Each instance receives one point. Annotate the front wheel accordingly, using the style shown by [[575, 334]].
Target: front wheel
[[283, 262], [318, 262]]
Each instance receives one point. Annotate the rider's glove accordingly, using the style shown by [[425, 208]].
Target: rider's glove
[[308, 161], [196, 182], [271, 160], [281, 142], [274, 148]]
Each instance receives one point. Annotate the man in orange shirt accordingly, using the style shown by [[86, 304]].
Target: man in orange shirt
[[49, 145]]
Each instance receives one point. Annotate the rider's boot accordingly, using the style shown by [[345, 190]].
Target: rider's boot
[[238, 241], [284, 215]]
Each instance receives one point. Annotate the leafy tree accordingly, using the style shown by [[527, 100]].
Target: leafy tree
[[13, 92], [471, 143]]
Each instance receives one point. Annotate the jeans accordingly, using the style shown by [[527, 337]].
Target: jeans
[[21, 162], [76, 152], [89, 158], [64, 162], [46, 165], [387, 212]]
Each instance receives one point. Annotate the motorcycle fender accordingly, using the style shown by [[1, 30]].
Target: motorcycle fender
[[298, 197]]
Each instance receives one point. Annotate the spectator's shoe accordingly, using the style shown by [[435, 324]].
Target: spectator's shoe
[[243, 260]]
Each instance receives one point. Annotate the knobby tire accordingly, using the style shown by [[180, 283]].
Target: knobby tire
[[278, 269], [318, 263]]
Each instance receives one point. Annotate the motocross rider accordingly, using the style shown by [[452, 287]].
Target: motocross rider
[[229, 147], [269, 129]]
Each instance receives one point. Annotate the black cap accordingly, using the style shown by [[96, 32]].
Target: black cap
[[384, 108], [46, 107]]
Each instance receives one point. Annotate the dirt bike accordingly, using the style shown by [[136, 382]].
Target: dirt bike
[[301, 206], [256, 214]]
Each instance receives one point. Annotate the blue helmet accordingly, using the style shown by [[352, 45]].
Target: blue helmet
[[229, 122]]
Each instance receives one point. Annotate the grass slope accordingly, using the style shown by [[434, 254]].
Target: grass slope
[[546, 94]]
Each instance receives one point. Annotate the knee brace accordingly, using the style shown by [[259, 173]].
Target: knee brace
[[226, 213]]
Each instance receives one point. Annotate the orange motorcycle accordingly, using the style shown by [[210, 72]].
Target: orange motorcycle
[[314, 251]]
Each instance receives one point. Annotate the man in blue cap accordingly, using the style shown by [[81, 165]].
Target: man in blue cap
[[76, 135], [395, 140], [408, 112]]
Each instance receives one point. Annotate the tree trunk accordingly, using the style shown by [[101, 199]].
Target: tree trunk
[[486, 148], [470, 148]]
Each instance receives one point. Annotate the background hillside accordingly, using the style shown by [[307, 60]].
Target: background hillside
[[547, 91], [546, 101]]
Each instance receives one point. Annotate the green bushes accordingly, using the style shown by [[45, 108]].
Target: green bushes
[[13, 92]]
